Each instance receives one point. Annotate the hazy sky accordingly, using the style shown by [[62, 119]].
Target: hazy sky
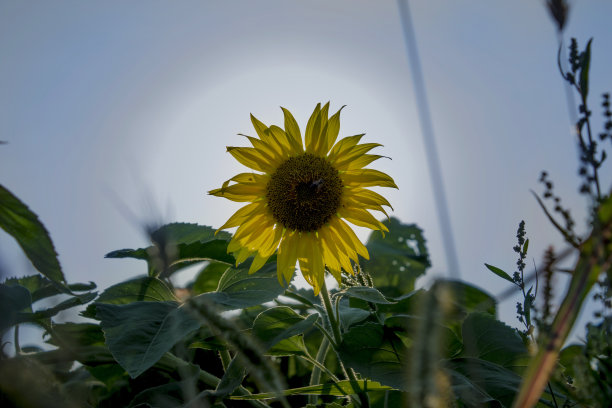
[[110, 104]]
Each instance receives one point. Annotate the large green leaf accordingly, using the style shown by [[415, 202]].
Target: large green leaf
[[23, 225], [371, 295], [43, 314], [169, 395], [139, 333], [280, 323], [486, 338], [41, 287], [76, 335], [144, 288], [341, 388], [473, 379], [398, 258], [238, 289], [409, 324], [375, 352], [466, 298], [179, 244], [13, 299], [208, 278], [350, 316]]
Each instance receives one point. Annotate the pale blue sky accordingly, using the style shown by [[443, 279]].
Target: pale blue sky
[[136, 101]]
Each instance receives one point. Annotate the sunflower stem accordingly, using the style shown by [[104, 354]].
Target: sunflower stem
[[226, 358], [335, 326], [315, 377]]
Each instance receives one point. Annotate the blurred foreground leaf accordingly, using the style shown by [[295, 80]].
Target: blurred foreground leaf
[[398, 258]]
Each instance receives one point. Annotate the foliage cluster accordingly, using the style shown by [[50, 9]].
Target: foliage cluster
[[233, 339]]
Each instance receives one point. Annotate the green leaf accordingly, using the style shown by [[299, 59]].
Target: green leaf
[[451, 344], [76, 335], [31, 235], [398, 258], [293, 346], [109, 374], [488, 339], [74, 301], [375, 352], [478, 380], [341, 388], [41, 287], [280, 323], [169, 395], [467, 298], [208, 278], [178, 245], [570, 356], [232, 378], [129, 253], [406, 304], [330, 405], [139, 333], [237, 289], [142, 289], [13, 299], [351, 315], [585, 62], [371, 295], [499, 272]]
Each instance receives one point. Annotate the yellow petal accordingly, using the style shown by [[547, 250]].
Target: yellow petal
[[348, 236], [262, 236], [293, 130], [271, 155], [313, 128], [360, 162], [260, 128], [366, 178], [344, 160], [320, 139], [241, 215], [258, 262], [254, 224], [365, 196], [252, 158], [270, 246], [311, 262], [251, 178], [333, 128], [287, 257], [361, 203], [362, 218], [242, 255], [282, 141], [344, 145], [240, 192], [330, 253]]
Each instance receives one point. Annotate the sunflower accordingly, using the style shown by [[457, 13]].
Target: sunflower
[[300, 197]]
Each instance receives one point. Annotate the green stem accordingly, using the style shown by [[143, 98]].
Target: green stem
[[315, 377], [173, 363], [335, 326], [226, 358], [326, 334], [16, 340]]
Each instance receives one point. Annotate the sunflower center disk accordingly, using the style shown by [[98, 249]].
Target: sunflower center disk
[[304, 192]]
